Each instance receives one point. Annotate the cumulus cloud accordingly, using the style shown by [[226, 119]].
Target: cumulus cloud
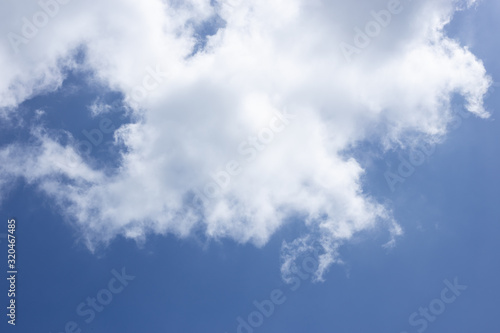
[[242, 131]]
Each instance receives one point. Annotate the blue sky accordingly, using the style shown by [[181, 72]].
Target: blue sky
[[125, 208]]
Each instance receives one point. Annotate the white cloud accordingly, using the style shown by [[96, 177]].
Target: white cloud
[[98, 108], [271, 56]]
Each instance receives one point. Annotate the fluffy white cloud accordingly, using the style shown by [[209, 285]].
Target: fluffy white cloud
[[268, 108]]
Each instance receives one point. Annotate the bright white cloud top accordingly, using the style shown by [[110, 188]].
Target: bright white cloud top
[[268, 108]]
